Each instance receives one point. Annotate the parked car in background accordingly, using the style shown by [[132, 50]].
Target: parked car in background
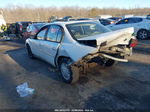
[[21, 27], [141, 26], [71, 45], [32, 29], [106, 21], [80, 19], [12, 28], [115, 18], [67, 18], [148, 17]]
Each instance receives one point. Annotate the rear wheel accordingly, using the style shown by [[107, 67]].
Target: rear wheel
[[110, 63], [142, 34], [67, 72]]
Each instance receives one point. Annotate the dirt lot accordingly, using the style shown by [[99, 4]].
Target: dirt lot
[[124, 86]]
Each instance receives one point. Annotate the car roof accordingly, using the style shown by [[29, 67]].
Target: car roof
[[71, 22], [142, 17], [106, 19], [24, 22], [38, 23]]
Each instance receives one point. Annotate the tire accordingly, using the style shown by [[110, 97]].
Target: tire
[[66, 71], [30, 54], [143, 34], [110, 63]]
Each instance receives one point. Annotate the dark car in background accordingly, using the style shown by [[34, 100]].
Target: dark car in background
[[32, 29], [21, 28], [67, 18], [106, 21], [148, 17], [115, 18], [80, 19]]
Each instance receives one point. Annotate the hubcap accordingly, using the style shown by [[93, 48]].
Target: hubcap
[[65, 71], [143, 34]]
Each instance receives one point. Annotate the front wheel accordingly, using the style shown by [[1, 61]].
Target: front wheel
[[30, 54], [68, 73]]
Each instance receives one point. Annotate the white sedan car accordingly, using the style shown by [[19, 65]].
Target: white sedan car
[[141, 26], [72, 45]]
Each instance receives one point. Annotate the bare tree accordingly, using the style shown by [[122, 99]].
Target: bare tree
[[31, 13]]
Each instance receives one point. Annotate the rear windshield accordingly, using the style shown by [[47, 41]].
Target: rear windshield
[[85, 29]]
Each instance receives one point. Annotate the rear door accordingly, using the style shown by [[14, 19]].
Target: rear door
[[51, 45]]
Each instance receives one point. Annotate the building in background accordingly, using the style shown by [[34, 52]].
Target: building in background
[[2, 20]]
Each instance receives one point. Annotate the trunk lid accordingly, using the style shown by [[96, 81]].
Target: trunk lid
[[118, 37]]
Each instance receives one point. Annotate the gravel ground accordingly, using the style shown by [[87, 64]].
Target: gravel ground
[[125, 86]]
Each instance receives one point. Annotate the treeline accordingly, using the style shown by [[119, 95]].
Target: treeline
[[29, 13]]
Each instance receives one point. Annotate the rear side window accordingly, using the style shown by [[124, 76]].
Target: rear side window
[[41, 34], [54, 33]]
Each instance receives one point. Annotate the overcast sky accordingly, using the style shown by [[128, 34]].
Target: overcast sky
[[80, 3]]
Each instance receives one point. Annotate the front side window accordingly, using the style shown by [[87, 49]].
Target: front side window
[[85, 29], [54, 33], [41, 34]]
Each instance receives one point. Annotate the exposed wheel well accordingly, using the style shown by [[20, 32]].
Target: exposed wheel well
[[60, 58], [26, 44]]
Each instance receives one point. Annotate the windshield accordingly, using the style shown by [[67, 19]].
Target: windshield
[[85, 29]]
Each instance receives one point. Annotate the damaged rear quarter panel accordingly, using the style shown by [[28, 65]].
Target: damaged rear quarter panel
[[75, 51], [72, 49]]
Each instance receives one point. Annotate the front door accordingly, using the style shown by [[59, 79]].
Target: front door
[[36, 42]]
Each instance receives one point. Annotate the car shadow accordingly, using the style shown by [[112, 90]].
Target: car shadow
[[109, 88], [131, 92], [20, 56]]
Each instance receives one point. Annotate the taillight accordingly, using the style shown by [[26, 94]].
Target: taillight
[[133, 42]]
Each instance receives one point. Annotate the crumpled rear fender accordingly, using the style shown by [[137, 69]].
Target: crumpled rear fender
[[75, 51]]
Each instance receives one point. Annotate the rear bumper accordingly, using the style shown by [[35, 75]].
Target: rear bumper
[[114, 58]]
